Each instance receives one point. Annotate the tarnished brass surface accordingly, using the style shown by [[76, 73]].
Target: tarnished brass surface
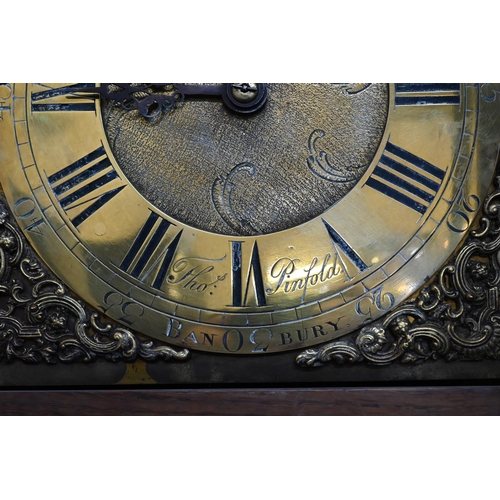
[[245, 288], [244, 175], [56, 326]]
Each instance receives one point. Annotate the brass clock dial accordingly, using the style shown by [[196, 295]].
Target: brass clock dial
[[247, 218]]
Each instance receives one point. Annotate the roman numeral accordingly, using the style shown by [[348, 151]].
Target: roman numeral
[[252, 282], [406, 178], [345, 250], [152, 250], [420, 94], [78, 187], [61, 99]]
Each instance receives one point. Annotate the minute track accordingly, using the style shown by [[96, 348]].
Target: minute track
[[308, 283]]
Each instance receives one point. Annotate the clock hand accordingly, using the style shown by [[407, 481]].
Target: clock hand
[[199, 90], [152, 99], [239, 97], [149, 99]]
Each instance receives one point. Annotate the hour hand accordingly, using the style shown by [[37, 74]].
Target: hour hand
[[150, 99], [194, 89], [239, 97]]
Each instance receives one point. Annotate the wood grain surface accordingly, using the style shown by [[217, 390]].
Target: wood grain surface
[[454, 400]]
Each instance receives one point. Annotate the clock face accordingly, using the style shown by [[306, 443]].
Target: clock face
[[237, 224]]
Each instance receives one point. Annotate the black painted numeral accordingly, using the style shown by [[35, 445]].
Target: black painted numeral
[[56, 99], [152, 251], [241, 284], [78, 187], [421, 94], [345, 250], [406, 178]]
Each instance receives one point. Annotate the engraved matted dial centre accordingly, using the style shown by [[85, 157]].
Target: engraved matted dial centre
[[245, 174], [230, 281]]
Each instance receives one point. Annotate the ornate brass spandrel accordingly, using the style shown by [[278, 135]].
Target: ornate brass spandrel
[[456, 316], [41, 322], [249, 291]]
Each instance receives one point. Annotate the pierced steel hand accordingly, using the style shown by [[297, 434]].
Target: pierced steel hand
[[151, 99], [194, 89], [239, 97]]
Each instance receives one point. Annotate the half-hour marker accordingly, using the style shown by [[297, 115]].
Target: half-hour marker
[[56, 99], [421, 94], [152, 251], [406, 178], [78, 187], [340, 244]]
